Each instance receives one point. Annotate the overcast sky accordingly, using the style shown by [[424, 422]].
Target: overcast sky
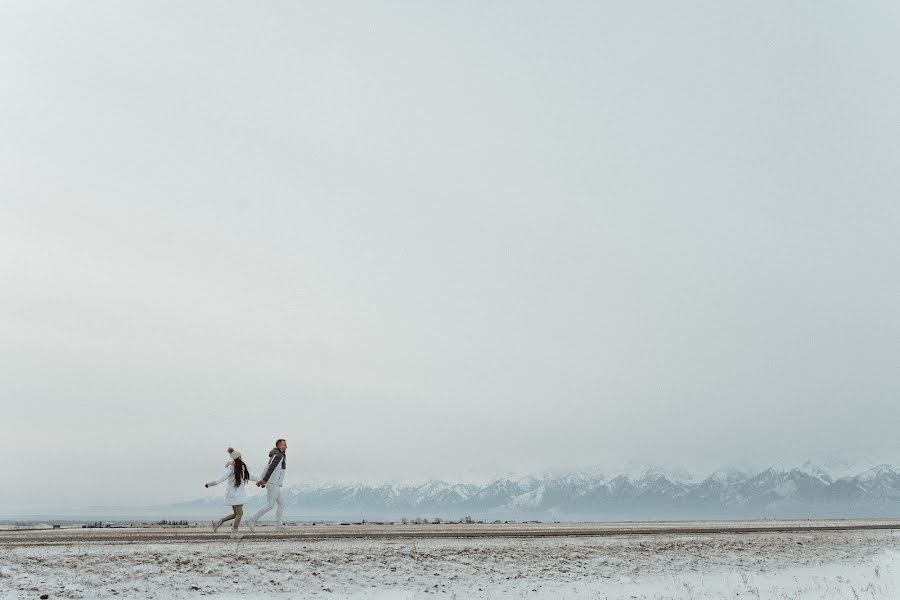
[[442, 239]]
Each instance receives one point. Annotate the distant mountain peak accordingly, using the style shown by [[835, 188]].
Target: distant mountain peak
[[638, 492]]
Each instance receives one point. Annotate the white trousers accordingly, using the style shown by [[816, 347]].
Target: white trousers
[[273, 497]]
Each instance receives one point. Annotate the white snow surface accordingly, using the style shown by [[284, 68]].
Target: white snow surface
[[799, 566]]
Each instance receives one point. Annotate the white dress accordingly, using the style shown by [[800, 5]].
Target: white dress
[[234, 494]]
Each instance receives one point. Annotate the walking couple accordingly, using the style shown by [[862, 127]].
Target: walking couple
[[237, 474]]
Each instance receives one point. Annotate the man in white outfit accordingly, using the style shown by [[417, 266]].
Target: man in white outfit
[[273, 479]]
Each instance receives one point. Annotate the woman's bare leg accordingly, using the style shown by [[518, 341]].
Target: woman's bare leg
[[218, 523]]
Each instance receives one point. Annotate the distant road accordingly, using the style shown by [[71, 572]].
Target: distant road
[[524, 530]]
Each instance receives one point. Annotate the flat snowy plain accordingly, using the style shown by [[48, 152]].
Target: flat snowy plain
[[796, 565]]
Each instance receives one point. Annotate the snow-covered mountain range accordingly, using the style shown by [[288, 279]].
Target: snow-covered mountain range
[[645, 493]]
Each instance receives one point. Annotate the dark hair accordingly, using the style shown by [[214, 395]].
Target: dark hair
[[240, 472], [278, 441]]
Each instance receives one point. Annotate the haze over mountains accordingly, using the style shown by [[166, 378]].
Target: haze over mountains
[[645, 493]]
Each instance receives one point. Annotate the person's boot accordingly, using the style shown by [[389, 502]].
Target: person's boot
[[251, 525], [236, 535], [216, 524]]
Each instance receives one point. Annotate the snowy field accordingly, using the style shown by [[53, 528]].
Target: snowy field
[[777, 565]]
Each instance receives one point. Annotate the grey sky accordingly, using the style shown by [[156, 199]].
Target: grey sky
[[442, 239]]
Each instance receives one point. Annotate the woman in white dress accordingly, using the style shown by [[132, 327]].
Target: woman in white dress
[[236, 474]]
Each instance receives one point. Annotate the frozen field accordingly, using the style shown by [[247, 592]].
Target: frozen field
[[816, 564]]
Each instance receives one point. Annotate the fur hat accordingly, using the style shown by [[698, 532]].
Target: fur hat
[[234, 454]]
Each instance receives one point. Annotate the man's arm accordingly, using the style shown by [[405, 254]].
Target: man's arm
[[271, 468]]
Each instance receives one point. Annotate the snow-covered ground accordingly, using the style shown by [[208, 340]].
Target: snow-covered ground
[[797, 566]]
